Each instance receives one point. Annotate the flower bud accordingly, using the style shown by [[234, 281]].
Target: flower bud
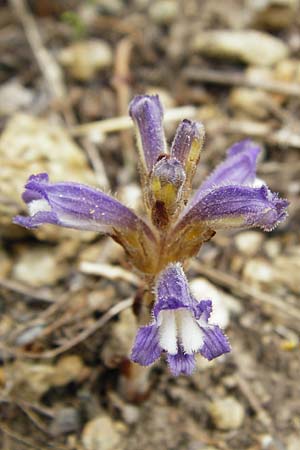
[[187, 145], [166, 183]]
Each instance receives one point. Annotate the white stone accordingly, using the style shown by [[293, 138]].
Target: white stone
[[249, 242], [227, 413], [249, 46], [101, 434]]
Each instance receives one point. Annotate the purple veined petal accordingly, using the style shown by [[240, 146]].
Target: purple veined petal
[[215, 342], [146, 347], [147, 113], [237, 207], [188, 142], [172, 290], [203, 310], [238, 168], [74, 205], [181, 363]]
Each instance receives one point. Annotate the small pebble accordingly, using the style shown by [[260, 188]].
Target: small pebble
[[293, 443], [66, 420], [272, 248], [164, 12], [249, 242], [259, 270], [275, 14], [251, 102], [101, 433], [227, 413], [84, 59], [249, 46]]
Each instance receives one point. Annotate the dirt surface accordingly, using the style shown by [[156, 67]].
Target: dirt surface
[[66, 325]]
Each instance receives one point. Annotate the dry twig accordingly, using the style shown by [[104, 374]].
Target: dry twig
[[239, 79], [114, 311], [47, 64], [124, 123], [110, 272]]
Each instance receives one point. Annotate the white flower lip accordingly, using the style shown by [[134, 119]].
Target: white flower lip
[[178, 326], [39, 205]]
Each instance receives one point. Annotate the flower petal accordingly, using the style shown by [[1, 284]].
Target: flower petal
[[203, 310], [238, 168], [147, 114], [181, 363], [215, 342], [172, 290], [237, 207], [73, 205], [146, 347]]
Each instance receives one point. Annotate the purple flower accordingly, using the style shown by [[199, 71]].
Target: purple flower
[[232, 196], [73, 205], [180, 326], [174, 230], [147, 113]]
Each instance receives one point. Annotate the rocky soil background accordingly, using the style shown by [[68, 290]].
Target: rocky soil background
[[68, 70]]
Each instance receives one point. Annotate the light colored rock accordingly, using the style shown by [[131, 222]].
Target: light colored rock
[[252, 102], [227, 413], [259, 270], [293, 443], [203, 289], [288, 70], [38, 267], [68, 368], [273, 13], [249, 242], [101, 433], [249, 46], [31, 380], [164, 12], [121, 339], [13, 97], [30, 145], [66, 420], [287, 269], [84, 59], [272, 247]]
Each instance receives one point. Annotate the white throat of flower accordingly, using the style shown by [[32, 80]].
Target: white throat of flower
[[179, 327], [39, 205]]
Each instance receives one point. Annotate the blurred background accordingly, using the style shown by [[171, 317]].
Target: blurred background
[[68, 70]]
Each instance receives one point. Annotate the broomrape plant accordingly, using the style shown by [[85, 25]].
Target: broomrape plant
[[172, 231]]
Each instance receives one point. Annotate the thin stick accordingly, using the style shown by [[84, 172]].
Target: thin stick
[[25, 291], [125, 123], [121, 85], [239, 79], [110, 272], [114, 311], [47, 64], [283, 137]]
